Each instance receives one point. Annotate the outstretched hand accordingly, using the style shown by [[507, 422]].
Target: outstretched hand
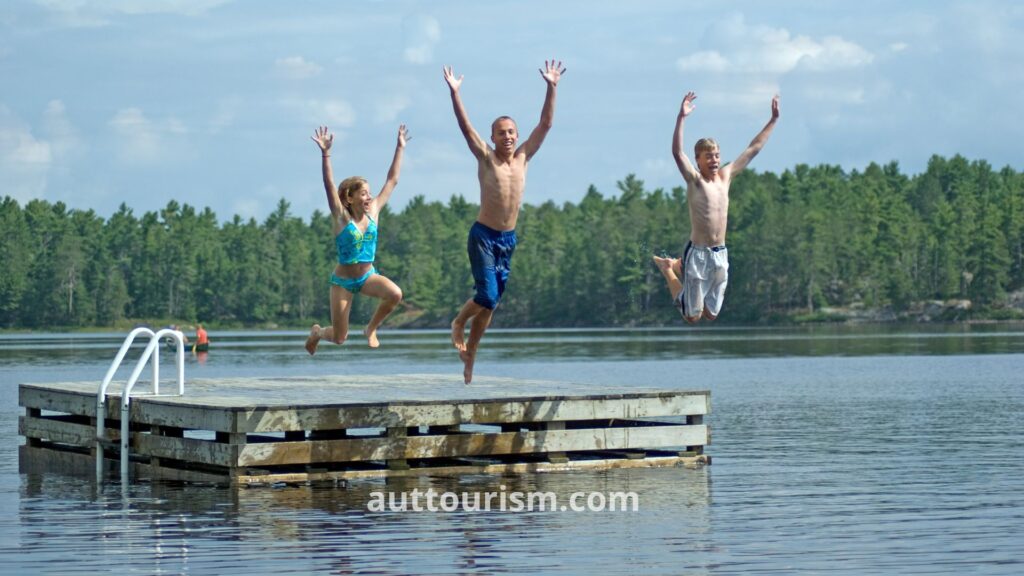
[[323, 139], [449, 77], [775, 107], [403, 136], [553, 72], [687, 106]]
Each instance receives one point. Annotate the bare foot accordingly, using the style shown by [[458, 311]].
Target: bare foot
[[664, 264], [459, 336], [371, 337], [313, 340], [467, 358]]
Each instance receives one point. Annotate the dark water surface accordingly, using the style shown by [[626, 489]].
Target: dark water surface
[[849, 450]]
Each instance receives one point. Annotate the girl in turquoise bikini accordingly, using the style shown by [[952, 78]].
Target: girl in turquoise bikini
[[354, 214]]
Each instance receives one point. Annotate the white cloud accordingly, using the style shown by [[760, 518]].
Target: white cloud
[[423, 33], [63, 136], [742, 48], [95, 13], [387, 109], [25, 160], [898, 46], [142, 140], [754, 98], [703, 61], [331, 113], [297, 68]]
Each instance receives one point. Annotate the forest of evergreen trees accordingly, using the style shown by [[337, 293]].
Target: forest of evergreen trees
[[811, 238]]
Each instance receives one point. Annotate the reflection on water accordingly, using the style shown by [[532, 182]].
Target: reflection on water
[[836, 449], [296, 530]]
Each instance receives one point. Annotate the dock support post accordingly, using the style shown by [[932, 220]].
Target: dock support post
[[33, 413], [398, 432], [694, 419], [556, 457], [236, 440]]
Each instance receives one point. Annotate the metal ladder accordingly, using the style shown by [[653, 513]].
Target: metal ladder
[[153, 346]]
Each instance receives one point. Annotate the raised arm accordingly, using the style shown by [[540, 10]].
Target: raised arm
[[324, 139], [552, 74], [757, 143], [682, 161], [393, 172], [476, 145]]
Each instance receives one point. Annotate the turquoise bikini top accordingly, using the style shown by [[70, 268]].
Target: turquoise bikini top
[[355, 246]]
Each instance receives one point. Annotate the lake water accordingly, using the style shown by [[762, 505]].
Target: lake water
[[852, 450]]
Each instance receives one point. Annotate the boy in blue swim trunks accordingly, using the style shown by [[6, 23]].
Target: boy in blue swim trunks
[[354, 216], [697, 281], [492, 239]]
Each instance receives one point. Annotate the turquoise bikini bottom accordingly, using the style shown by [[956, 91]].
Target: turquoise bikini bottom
[[353, 285]]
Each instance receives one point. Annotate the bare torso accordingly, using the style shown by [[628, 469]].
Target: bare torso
[[501, 189], [709, 209]]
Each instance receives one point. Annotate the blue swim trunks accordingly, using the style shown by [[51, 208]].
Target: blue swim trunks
[[353, 285], [490, 257]]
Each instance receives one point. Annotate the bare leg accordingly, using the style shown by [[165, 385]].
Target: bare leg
[[337, 332], [669, 268], [476, 332], [390, 295], [469, 310], [672, 270]]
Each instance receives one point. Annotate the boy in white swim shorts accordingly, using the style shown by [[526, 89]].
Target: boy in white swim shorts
[[705, 276], [697, 281]]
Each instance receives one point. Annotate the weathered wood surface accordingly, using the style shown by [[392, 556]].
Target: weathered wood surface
[[185, 449], [522, 419], [71, 433], [450, 446], [43, 460], [244, 405]]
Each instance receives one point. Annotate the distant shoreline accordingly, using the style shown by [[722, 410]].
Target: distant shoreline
[[951, 313]]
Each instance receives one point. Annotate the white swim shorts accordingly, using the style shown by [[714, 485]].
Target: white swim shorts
[[705, 275]]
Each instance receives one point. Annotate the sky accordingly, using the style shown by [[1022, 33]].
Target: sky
[[212, 102]]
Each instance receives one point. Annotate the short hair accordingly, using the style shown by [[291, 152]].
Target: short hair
[[499, 119], [348, 186], [704, 144]]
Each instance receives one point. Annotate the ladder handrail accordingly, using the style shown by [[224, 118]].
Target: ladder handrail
[[153, 345]]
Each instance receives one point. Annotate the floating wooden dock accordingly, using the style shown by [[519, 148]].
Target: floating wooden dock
[[331, 428]]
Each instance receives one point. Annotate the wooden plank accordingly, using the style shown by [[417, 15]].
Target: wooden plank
[[466, 444], [61, 431], [68, 402], [484, 412], [44, 460], [186, 449], [148, 411], [49, 461]]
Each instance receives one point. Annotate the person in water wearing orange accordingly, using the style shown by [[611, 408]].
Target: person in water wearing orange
[[201, 338], [354, 218]]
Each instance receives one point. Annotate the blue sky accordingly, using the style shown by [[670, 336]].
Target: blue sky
[[212, 102]]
